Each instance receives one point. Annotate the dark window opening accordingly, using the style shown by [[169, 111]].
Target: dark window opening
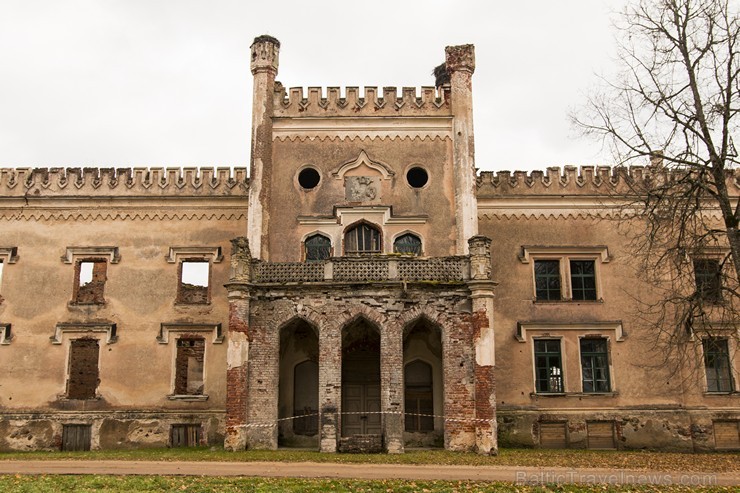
[[595, 365], [194, 281], [83, 369], [583, 279], [185, 435], [717, 365], [363, 238], [407, 243], [189, 366], [90, 277], [708, 275], [76, 438], [548, 366], [419, 398], [309, 178], [318, 247], [417, 177], [547, 279]]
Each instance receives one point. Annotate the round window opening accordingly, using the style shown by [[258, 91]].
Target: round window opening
[[417, 177], [309, 178]]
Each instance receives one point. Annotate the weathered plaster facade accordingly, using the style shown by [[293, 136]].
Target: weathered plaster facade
[[364, 290]]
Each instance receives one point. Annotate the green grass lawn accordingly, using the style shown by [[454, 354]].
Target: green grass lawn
[[131, 484], [664, 461]]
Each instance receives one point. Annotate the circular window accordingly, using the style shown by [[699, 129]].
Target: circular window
[[308, 178], [417, 177]]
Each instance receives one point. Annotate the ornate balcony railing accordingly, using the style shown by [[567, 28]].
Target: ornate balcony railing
[[377, 268]]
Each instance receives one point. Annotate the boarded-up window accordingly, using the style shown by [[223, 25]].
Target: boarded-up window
[[189, 366], [601, 434], [90, 277], [194, 280], [727, 434], [553, 435], [75, 438], [83, 369], [185, 435]]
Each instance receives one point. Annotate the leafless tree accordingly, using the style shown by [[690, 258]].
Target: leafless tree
[[675, 105]]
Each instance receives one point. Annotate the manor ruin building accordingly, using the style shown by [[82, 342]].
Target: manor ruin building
[[361, 288]]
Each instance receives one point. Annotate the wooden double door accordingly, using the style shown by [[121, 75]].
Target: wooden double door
[[361, 409]]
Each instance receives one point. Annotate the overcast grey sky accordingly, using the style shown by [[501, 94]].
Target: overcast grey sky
[[167, 83]]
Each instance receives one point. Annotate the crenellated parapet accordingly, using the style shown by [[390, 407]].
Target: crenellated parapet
[[295, 103], [186, 182], [584, 180]]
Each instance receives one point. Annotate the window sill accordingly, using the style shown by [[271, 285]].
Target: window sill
[[183, 303], [64, 398], [721, 393], [74, 304], [188, 398], [567, 302], [573, 394]]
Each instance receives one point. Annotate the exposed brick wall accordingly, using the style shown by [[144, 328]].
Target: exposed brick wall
[[190, 350], [83, 369]]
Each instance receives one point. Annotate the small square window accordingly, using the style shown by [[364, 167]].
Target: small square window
[[76, 438], [548, 366], [194, 282], [90, 277], [186, 435], [708, 276]]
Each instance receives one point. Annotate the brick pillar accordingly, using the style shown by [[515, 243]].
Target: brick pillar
[[482, 292], [237, 389], [391, 388], [330, 387]]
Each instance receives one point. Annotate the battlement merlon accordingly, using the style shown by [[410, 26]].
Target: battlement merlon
[[317, 102], [124, 182], [587, 180]]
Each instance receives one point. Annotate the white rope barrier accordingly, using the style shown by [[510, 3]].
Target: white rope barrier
[[363, 413]]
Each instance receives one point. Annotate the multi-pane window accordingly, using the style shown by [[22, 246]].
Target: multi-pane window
[[548, 366], [595, 365], [407, 243], [547, 279], [717, 365], [583, 279], [318, 247], [707, 273], [363, 238]]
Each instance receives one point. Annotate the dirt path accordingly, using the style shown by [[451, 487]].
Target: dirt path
[[368, 471]]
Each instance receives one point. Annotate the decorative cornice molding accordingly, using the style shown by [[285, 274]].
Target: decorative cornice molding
[[564, 250], [84, 329], [165, 329], [177, 252], [50, 215], [111, 252], [9, 255], [370, 136], [554, 327]]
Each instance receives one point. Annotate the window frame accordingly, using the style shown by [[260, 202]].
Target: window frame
[[77, 286], [359, 253], [562, 365], [95, 393], [714, 295], [180, 296], [728, 362], [304, 247], [403, 234], [608, 369], [564, 256], [186, 394]]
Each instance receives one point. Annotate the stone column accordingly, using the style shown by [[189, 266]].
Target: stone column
[[391, 388], [237, 387], [330, 387], [460, 65], [264, 65], [482, 291]]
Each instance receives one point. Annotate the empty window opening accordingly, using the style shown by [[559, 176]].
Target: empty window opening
[[76, 438], [407, 243], [417, 177], [548, 366], [595, 365], [309, 178], [90, 277], [318, 247], [708, 276], [419, 399], [187, 435], [547, 279], [717, 365], [362, 238], [194, 281], [189, 366], [83, 369]]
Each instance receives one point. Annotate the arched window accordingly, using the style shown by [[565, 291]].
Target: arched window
[[318, 247], [407, 243], [362, 238], [418, 396]]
